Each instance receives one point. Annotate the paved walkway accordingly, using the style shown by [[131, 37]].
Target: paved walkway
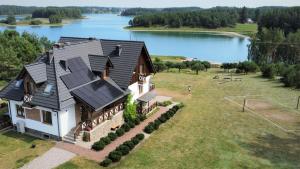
[[51, 159], [100, 155]]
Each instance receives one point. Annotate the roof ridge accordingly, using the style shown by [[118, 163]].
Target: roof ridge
[[123, 40]]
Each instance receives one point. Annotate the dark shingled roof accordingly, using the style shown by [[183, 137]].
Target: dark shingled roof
[[98, 62], [83, 55], [37, 72], [11, 92], [147, 97], [98, 94]]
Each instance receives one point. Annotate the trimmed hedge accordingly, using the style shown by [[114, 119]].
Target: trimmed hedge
[[126, 127], [120, 132], [131, 124], [122, 150], [112, 136], [162, 119], [106, 162], [140, 136], [106, 140], [99, 145], [115, 156]]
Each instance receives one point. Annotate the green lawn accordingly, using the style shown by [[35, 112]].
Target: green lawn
[[212, 133], [15, 149], [169, 58], [242, 29]]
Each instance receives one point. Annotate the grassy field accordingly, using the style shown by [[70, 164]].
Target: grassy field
[[169, 58], [210, 132], [15, 149], [238, 30]]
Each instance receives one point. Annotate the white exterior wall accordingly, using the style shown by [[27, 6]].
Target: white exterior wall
[[32, 124], [67, 120], [135, 88]]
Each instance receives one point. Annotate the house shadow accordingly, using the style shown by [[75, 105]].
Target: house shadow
[[279, 151], [18, 136]]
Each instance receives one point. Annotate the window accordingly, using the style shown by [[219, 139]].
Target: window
[[19, 83], [140, 89], [47, 117], [48, 89], [20, 111]]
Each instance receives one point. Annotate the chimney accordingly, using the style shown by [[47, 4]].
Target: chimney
[[118, 50]]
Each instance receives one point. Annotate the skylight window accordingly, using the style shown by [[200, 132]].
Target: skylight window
[[19, 83], [48, 89]]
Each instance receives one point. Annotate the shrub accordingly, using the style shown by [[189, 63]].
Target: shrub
[[115, 156], [162, 119], [85, 137], [268, 71], [135, 140], [129, 144], [180, 105], [35, 22], [99, 145], [157, 123], [165, 103], [130, 109], [131, 124], [149, 128], [137, 121], [105, 140], [171, 112], [140, 136], [4, 104], [106, 162], [112, 136], [166, 116], [142, 117], [120, 132], [126, 127], [123, 149]]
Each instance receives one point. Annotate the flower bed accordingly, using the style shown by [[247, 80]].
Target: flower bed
[[122, 150], [127, 126]]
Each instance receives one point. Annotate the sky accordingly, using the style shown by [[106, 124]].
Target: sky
[[152, 3]]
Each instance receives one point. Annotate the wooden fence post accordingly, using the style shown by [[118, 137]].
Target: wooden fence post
[[244, 105], [298, 103]]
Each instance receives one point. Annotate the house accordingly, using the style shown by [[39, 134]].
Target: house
[[80, 85]]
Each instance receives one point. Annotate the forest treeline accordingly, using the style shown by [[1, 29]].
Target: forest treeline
[[276, 46], [66, 12], [195, 17], [21, 10]]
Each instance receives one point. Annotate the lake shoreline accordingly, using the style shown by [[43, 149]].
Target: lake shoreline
[[233, 32]]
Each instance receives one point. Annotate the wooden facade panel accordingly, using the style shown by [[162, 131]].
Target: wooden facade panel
[[142, 68], [33, 114]]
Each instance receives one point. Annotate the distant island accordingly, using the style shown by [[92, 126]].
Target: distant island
[[48, 15], [222, 20]]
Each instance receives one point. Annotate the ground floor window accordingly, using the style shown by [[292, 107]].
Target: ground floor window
[[47, 117], [20, 111]]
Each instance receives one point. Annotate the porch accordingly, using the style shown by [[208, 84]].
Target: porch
[[147, 102], [91, 122]]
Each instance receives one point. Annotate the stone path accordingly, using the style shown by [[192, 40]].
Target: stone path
[[99, 156], [51, 159]]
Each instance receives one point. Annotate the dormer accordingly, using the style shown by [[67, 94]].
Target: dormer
[[101, 65]]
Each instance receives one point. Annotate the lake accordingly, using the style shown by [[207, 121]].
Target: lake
[[203, 46]]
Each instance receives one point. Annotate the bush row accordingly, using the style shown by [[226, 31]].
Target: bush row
[[99, 145], [162, 119], [122, 150]]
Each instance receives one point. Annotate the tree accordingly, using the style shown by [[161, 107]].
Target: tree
[[206, 64], [244, 15], [169, 65], [53, 19], [198, 67], [11, 20], [130, 113], [180, 66]]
